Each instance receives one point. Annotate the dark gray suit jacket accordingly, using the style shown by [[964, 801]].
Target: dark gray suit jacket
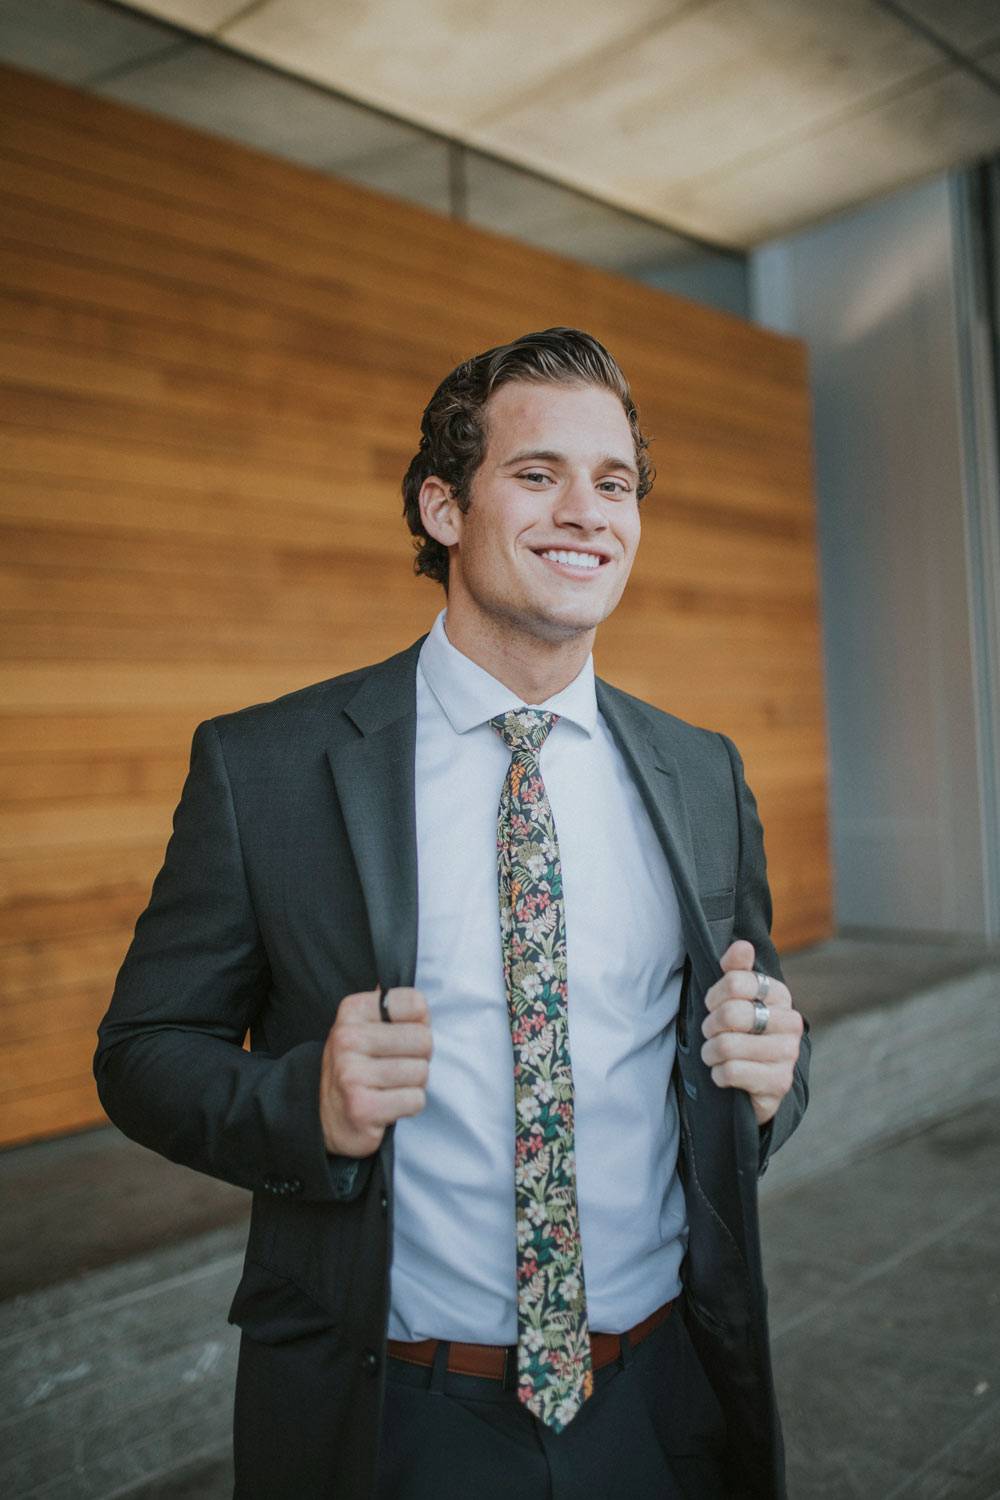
[[289, 882]]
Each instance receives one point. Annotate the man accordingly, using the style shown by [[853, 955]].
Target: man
[[516, 1058]]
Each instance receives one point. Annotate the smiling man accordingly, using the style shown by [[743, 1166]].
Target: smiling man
[[519, 1040]]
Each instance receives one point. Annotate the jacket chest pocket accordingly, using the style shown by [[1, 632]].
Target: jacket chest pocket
[[719, 908]]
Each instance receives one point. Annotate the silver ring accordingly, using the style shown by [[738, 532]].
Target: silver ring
[[761, 1016], [383, 1004], [763, 987]]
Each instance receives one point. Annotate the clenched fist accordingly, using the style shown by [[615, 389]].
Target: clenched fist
[[763, 1065], [373, 1073]]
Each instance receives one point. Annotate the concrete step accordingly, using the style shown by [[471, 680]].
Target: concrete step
[[904, 1033]]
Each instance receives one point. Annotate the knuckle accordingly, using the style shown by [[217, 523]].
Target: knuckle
[[728, 1044], [412, 1003], [420, 1044], [779, 1079], [347, 1074], [361, 1108], [347, 1037], [343, 1034]]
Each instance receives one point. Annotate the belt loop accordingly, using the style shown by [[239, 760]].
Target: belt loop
[[626, 1354], [510, 1368], [439, 1368]]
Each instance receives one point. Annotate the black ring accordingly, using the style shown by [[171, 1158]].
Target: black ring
[[383, 1004]]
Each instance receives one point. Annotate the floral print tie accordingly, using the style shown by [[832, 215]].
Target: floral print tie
[[553, 1342]]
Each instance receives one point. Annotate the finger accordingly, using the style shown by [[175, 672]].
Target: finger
[[739, 955], [389, 1073], [357, 1128], [396, 1104], [766, 1084], [355, 1087], [404, 1004], [360, 1006], [401, 1039], [739, 1015], [742, 984], [738, 1048]]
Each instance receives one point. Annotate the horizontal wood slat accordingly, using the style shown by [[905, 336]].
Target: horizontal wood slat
[[212, 368]]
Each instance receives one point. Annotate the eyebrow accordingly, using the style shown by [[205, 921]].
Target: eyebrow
[[552, 456]]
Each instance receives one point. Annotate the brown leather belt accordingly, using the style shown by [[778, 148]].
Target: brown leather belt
[[490, 1360]]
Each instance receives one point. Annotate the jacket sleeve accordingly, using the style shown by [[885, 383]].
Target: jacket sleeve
[[170, 1065], [753, 922]]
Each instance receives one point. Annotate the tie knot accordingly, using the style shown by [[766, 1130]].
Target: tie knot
[[524, 728]]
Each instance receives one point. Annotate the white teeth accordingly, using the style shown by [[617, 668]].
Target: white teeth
[[574, 559]]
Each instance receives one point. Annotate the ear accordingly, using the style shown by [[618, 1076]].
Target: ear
[[439, 511]]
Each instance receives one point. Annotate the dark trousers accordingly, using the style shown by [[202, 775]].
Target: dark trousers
[[652, 1430]]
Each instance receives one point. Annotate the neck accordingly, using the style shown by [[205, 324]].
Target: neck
[[533, 669]]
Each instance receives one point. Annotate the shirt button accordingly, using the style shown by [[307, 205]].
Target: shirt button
[[368, 1362]]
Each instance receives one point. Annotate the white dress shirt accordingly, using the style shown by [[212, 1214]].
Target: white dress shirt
[[453, 1273]]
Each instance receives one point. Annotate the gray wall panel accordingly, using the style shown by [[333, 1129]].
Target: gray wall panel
[[873, 295]]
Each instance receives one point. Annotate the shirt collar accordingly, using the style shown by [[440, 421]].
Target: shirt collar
[[469, 696]]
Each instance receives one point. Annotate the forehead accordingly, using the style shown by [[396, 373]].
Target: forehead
[[554, 415]]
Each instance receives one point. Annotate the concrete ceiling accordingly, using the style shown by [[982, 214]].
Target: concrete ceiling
[[732, 120]]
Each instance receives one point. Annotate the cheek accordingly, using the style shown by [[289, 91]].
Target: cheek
[[629, 537]]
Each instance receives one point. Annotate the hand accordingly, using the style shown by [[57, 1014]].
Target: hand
[[373, 1073], [763, 1066]]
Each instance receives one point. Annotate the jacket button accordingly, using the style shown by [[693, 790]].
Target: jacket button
[[383, 1202], [294, 1185], [368, 1362]]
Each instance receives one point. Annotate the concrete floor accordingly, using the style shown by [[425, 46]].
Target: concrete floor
[[884, 1281]]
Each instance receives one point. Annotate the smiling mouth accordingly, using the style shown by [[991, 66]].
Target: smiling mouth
[[585, 562]]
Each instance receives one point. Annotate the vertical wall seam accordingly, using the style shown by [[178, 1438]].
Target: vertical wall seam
[[970, 205]]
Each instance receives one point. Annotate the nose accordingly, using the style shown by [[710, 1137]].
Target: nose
[[579, 505]]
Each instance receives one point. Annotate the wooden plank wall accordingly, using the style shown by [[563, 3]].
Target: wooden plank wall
[[212, 366]]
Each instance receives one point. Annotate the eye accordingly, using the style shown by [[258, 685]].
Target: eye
[[615, 486], [533, 476]]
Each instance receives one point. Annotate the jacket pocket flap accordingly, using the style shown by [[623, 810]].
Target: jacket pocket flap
[[718, 905], [275, 1310]]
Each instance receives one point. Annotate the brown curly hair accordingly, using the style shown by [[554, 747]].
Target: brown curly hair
[[453, 428]]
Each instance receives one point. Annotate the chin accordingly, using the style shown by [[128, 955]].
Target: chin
[[566, 627]]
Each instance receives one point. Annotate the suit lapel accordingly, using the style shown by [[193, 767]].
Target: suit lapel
[[661, 788], [373, 771], [374, 775]]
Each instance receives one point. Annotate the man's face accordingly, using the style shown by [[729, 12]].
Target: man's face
[[546, 546]]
